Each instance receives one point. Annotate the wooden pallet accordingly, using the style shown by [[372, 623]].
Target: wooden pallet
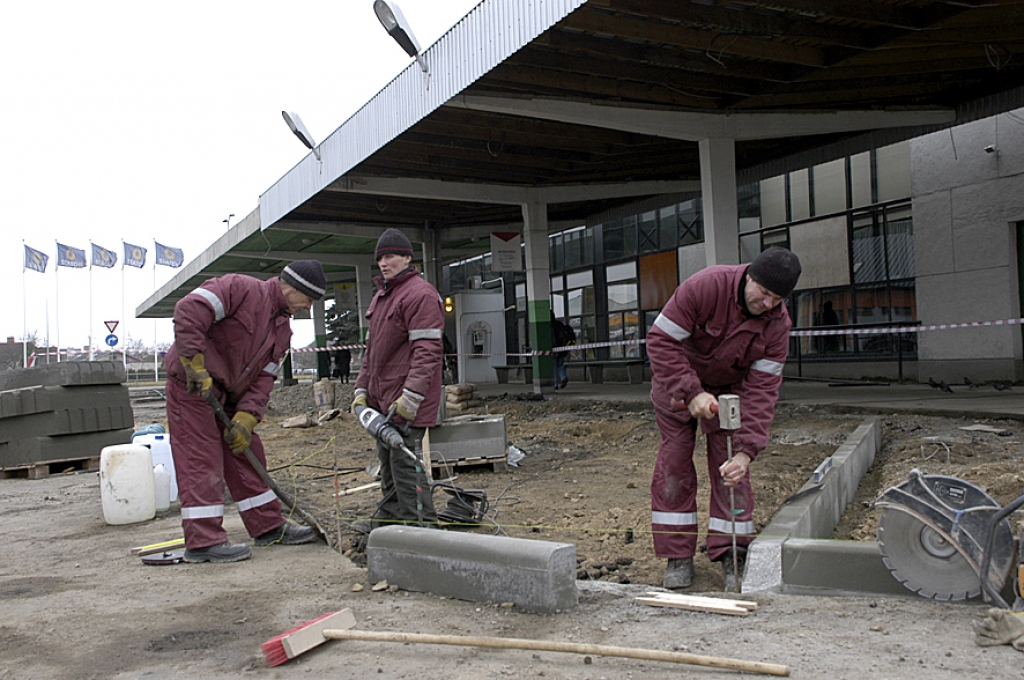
[[497, 463], [50, 467], [697, 603]]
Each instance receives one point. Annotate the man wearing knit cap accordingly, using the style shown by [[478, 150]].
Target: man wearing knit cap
[[230, 336], [724, 331], [401, 375]]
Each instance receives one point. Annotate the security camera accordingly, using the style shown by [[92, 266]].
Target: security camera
[[991, 148]]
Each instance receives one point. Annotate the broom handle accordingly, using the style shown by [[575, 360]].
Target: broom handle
[[573, 647]]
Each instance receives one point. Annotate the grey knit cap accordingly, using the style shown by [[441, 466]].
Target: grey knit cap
[[307, 277]]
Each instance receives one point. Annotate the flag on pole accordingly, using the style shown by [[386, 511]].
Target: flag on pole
[[134, 256], [70, 257], [35, 260], [101, 257], [169, 257]]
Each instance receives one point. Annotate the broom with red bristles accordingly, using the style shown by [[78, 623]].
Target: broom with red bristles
[[337, 626], [304, 637]]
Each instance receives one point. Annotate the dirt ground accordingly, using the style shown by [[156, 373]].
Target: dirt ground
[[78, 605]]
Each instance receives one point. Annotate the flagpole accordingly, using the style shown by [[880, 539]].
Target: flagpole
[[156, 366], [24, 309], [56, 285], [92, 259], [124, 351]]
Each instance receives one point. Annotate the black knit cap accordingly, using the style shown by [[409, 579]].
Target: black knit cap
[[393, 241], [777, 269], [307, 277]]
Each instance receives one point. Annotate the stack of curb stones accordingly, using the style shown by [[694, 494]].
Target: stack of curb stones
[[61, 415]]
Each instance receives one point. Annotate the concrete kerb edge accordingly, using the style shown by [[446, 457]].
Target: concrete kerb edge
[[815, 513]]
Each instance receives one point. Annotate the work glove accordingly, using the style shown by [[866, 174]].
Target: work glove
[[1000, 627], [239, 434], [197, 378], [358, 400], [408, 404]]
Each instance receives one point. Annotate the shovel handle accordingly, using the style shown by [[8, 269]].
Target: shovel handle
[[572, 647]]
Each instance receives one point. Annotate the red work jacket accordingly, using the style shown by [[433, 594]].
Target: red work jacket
[[404, 347], [704, 341], [242, 327]]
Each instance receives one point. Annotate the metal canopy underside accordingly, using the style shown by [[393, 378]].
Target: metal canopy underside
[[605, 108]]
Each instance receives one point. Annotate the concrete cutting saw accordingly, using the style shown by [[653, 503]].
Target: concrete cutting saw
[[939, 535]]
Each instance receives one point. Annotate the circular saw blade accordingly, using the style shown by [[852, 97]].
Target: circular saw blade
[[923, 560]]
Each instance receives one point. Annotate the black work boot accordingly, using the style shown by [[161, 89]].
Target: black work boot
[[222, 552], [679, 574], [287, 534], [731, 565]]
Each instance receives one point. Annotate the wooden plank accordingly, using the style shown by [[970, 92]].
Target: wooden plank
[[710, 605], [154, 548], [357, 489], [45, 469], [701, 599]]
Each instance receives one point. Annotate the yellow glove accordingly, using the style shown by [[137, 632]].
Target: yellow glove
[[239, 435], [408, 405], [359, 400], [197, 378]]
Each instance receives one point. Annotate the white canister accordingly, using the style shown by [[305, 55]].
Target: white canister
[[160, 444], [162, 480], [127, 484]]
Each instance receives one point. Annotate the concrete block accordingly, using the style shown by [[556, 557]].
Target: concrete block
[[538, 576], [33, 450], [65, 373], [65, 422], [469, 438], [832, 567]]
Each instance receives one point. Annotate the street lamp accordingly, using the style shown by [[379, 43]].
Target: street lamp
[[297, 127], [393, 21], [228, 221]]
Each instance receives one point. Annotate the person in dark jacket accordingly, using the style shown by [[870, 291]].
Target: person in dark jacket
[[724, 331], [342, 364], [563, 336], [230, 336], [401, 374]]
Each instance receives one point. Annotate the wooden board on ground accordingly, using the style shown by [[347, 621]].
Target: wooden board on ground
[[52, 467], [697, 603], [497, 463]]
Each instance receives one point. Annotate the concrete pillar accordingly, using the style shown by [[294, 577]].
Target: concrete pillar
[[718, 190], [538, 289], [323, 360], [432, 257], [364, 293]]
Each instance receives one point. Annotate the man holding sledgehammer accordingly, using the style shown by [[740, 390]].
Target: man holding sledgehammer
[[725, 330]]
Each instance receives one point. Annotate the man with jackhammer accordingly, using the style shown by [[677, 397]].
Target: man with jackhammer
[[724, 331], [401, 377], [230, 336]]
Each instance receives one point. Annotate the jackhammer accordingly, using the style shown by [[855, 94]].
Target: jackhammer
[[386, 431]]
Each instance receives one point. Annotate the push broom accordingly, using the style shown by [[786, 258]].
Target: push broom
[[339, 625]]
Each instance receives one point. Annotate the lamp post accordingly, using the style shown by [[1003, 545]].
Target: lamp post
[[298, 128], [393, 21], [228, 221]]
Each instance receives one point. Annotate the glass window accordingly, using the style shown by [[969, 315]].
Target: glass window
[[750, 246], [799, 195], [892, 167], [860, 179], [667, 227], [648, 232], [622, 296], [581, 301], [899, 239], [830, 187], [558, 305], [868, 251], [556, 252], [773, 201], [690, 222], [521, 298], [575, 244], [556, 283], [621, 272], [580, 279]]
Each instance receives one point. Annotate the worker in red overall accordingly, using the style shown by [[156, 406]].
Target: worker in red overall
[[724, 331], [230, 336]]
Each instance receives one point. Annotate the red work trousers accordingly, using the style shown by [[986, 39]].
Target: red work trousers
[[204, 463], [674, 493]]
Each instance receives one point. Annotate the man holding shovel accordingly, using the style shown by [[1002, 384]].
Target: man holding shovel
[[725, 330], [230, 335]]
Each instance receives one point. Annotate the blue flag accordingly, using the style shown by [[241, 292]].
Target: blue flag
[[101, 257], [134, 256], [70, 257], [169, 257], [35, 260]]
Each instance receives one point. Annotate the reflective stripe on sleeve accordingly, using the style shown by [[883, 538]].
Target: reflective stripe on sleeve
[[767, 366], [425, 334], [271, 368], [218, 306], [203, 512], [679, 519], [724, 526], [674, 330], [256, 501]]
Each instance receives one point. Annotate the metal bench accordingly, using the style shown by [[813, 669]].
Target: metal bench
[[595, 369], [503, 371]]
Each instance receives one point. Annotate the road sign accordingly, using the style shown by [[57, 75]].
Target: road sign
[[111, 325], [112, 339]]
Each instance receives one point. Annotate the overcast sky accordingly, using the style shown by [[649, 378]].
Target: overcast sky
[[137, 121]]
